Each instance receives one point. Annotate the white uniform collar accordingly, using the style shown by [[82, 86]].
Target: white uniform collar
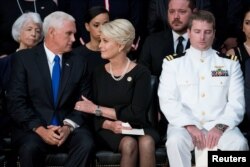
[[195, 52]]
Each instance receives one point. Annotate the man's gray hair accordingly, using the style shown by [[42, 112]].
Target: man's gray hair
[[55, 19]]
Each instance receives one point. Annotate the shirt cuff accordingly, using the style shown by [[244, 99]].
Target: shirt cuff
[[71, 123]]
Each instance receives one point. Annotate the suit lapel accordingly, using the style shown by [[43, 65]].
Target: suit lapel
[[66, 70], [42, 63], [169, 37]]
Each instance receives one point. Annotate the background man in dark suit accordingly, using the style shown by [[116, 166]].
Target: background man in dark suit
[[161, 44], [164, 43], [44, 120]]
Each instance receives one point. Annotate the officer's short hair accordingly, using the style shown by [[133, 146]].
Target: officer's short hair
[[202, 15]]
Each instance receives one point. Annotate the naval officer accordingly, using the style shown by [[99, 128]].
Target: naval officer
[[202, 96]]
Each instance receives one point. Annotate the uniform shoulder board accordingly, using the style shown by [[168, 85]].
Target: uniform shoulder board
[[174, 56], [228, 56]]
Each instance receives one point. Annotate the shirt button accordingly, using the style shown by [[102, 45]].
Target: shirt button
[[203, 113], [203, 95], [202, 60], [202, 77]]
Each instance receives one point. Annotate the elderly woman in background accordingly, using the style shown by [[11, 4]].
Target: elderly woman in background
[[27, 31], [121, 94]]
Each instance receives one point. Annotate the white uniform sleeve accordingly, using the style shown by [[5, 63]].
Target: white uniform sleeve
[[176, 113]]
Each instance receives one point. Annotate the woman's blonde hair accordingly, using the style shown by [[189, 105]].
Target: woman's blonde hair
[[120, 30]]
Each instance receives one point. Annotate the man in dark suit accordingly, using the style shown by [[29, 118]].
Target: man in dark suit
[[44, 116], [161, 44]]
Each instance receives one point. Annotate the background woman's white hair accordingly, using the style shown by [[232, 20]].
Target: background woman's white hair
[[55, 19], [120, 30], [24, 19]]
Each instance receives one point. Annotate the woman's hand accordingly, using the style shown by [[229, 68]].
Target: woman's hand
[[85, 105], [116, 126]]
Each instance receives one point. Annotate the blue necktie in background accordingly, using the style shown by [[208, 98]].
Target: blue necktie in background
[[56, 72]]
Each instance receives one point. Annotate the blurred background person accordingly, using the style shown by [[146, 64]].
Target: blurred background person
[[228, 23], [157, 14], [10, 10], [27, 31], [132, 10], [94, 19], [243, 53]]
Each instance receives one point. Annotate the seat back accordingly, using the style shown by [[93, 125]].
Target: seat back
[[152, 108]]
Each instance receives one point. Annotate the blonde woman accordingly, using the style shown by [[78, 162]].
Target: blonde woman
[[121, 94]]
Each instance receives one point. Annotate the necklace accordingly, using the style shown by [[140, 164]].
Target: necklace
[[123, 73], [18, 3], [248, 47]]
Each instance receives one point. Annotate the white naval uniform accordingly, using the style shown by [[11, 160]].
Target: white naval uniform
[[201, 89]]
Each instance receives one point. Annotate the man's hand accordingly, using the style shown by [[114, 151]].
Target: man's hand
[[64, 132], [213, 137], [50, 135], [197, 135]]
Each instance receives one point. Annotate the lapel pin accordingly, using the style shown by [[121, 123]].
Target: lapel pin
[[129, 79]]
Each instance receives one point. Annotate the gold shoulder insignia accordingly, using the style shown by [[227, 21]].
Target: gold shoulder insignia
[[174, 56], [228, 56], [233, 57]]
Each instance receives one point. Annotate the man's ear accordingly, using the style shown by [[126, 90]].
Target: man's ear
[[51, 31]]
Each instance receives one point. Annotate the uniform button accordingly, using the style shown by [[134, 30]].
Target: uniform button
[[203, 113], [202, 60], [203, 95], [202, 122], [202, 77]]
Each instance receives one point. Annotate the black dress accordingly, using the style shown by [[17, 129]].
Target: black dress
[[93, 58], [130, 98]]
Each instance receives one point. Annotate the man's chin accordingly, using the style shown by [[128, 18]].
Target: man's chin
[[179, 29]]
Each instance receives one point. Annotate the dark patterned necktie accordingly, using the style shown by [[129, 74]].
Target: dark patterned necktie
[[179, 48]]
